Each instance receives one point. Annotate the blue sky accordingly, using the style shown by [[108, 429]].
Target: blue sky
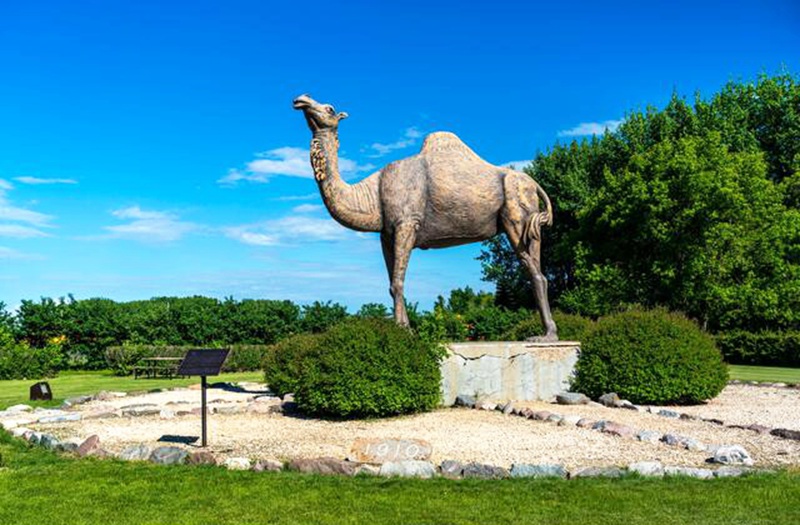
[[149, 148]]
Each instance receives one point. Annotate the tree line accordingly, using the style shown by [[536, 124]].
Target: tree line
[[694, 207]]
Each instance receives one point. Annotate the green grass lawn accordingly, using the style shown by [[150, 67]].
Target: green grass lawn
[[37, 486], [772, 374], [71, 384]]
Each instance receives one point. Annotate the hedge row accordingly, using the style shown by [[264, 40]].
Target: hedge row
[[242, 358], [760, 348]]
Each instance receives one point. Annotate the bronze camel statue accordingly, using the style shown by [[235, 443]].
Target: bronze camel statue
[[444, 196]]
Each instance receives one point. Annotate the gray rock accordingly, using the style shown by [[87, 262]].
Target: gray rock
[[408, 469], [555, 418], [368, 470], [451, 469], [785, 433], [69, 445], [19, 432], [463, 400], [201, 457], [103, 413], [34, 438], [731, 455], [325, 466], [481, 471], [48, 441], [760, 429], [79, 400], [649, 436], [141, 411], [624, 403], [700, 473], [166, 414], [541, 415], [571, 398], [485, 405], [668, 413], [673, 439], [65, 418], [598, 472], [15, 409], [508, 408], [731, 472], [267, 465], [140, 452], [647, 468], [687, 417], [693, 445], [169, 456], [526, 412], [229, 409], [713, 421], [538, 471], [600, 425], [237, 463], [569, 420], [609, 400], [585, 423]]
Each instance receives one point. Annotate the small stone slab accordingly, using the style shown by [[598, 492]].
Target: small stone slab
[[482, 471], [140, 452], [731, 472], [598, 472], [141, 411], [325, 466], [731, 455], [89, 445], [647, 468], [385, 450], [649, 436], [19, 408], [538, 471], [65, 418], [201, 457], [451, 469], [572, 398], [267, 465], [408, 469], [237, 464], [169, 456], [700, 473], [229, 409]]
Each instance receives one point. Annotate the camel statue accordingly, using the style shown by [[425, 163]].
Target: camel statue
[[444, 196]]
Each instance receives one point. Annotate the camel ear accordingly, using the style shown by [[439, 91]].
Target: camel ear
[[342, 115]]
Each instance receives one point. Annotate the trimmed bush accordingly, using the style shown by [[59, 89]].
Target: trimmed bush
[[760, 348], [21, 361], [654, 357], [242, 358], [361, 368], [283, 361], [570, 327]]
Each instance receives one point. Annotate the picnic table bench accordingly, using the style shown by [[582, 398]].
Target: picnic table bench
[[153, 367]]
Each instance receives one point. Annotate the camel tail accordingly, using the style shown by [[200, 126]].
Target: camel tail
[[533, 227]]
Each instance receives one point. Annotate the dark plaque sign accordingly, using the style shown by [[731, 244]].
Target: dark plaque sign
[[203, 362], [41, 392]]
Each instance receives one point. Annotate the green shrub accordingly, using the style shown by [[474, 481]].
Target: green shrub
[[761, 348], [18, 360], [650, 357], [283, 361], [242, 358], [570, 327], [367, 368]]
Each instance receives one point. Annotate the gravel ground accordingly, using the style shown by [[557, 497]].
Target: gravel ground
[[458, 433]]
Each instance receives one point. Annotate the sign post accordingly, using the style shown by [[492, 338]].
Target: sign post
[[203, 363]]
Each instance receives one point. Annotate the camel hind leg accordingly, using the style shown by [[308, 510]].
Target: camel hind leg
[[515, 219]]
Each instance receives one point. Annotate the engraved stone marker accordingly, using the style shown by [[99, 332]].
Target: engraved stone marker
[[386, 450]]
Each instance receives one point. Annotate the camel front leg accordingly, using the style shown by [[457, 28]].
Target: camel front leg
[[404, 237]]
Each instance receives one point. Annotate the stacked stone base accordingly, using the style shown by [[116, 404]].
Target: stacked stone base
[[502, 371]]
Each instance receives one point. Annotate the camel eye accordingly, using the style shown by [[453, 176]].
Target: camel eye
[[331, 111]]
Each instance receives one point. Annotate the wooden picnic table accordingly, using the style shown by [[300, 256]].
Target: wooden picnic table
[[152, 367]]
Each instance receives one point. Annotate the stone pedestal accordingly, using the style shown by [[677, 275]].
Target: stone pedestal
[[502, 371]]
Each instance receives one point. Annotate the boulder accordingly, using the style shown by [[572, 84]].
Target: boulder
[[451, 469], [368, 470], [169, 456], [138, 452], [463, 400], [731, 472], [166, 413], [89, 445], [538, 471], [700, 473], [598, 472], [237, 463], [649, 436], [609, 400], [267, 465], [508, 408], [48, 441], [555, 418], [385, 450], [201, 457], [482, 471], [647, 468], [619, 430], [668, 413], [569, 420], [69, 445], [585, 423], [408, 469], [541, 415], [571, 398], [731, 455], [325, 466]]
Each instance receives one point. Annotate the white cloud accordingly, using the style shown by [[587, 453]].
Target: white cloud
[[10, 254], [37, 180], [15, 214], [590, 128], [409, 138], [20, 232], [286, 161], [148, 226], [306, 197], [291, 229], [307, 208]]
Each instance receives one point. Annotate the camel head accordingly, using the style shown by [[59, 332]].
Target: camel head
[[320, 117]]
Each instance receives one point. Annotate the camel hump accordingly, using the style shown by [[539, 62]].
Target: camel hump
[[444, 141]]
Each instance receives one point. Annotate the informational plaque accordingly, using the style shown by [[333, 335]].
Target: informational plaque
[[41, 392], [203, 362]]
